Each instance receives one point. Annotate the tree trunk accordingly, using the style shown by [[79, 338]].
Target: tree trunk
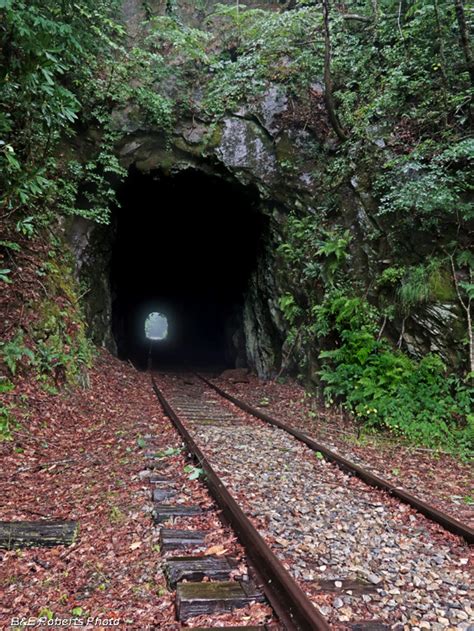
[[442, 63], [375, 10], [466, 304], [464, 37], [328, 93]]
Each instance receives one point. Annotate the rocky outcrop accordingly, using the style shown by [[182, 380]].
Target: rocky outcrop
[[92, 248], [263, 327], [264, 144], [254, 148], [246, 150], [188, 12]]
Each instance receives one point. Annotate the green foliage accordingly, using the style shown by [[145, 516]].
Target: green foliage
[[465, 262], [334, 252], [339, 312], [141, 442], [46, 612], [424, 283], [55, 58], [194, 472], [15, 353], [409, 69], [390, 277], [10, 245], [25, 226], [385, 388], [166, 38], [116, 516], [290, 309], [52, 341], [312, 252], [87, 188], [429, 189], [169, 451], [62, 349], [7, 420], [5, 275], [190, 43], [157, 108], [260, 46]]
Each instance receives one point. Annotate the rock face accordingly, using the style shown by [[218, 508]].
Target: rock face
[[245, 149], [262, 145], [92, 248], [188, 12]]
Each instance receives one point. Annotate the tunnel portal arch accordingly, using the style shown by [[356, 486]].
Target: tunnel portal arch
[[185, 245]]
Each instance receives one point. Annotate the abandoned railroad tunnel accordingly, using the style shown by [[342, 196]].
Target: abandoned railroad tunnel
[[184, 246]]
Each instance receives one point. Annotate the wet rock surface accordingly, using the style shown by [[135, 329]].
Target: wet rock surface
[[245, 146]]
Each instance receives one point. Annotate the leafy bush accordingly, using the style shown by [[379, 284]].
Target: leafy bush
[[385, 388], [15, 353], [57, 58]]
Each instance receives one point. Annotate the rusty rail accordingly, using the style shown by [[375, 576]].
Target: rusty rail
[[290, 603], [441, 518]]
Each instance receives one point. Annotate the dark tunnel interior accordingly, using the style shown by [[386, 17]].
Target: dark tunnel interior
[[185, 246]]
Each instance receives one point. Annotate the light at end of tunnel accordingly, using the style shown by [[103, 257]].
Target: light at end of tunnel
[[156, 326]]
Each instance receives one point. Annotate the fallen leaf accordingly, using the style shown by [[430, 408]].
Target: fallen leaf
[[135, 545], [217, 550]]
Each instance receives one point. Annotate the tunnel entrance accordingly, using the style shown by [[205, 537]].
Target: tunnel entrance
[[185, 247]]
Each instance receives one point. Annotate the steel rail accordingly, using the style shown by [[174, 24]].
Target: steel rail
[[290, 603], [443, 519]]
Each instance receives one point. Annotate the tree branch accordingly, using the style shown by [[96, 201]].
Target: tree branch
[[328, 91]]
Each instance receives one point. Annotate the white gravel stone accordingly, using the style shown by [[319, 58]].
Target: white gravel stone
[[327, 525]]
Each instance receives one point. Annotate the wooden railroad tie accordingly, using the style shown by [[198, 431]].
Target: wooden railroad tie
[[164, 512], [160, 479], [194, 569], [30, 534], [197, 599], [171, 539]]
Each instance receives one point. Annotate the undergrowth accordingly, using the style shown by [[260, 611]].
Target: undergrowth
[[384, 388], [43, 333]]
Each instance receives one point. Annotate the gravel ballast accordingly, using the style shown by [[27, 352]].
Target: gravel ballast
[[385, 561]]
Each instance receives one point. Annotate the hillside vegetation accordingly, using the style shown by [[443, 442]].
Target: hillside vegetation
[[383, 89]]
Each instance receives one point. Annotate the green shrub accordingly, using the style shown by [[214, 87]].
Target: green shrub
[[385, 388], [15, 353], [424, 283]]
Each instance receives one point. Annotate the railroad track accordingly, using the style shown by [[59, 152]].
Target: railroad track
[[394, 566], [437, 516]]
